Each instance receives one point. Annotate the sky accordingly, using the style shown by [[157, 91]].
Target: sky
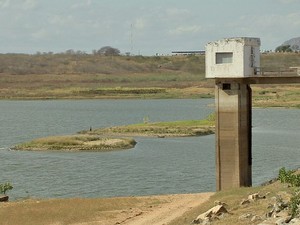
[[145, 27]]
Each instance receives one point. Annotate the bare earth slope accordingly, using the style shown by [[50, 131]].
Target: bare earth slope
[[170, 208], [170, 211]]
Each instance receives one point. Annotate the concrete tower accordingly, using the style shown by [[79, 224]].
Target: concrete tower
[[227, 60]]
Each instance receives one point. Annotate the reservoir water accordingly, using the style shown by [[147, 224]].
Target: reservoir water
[[154, 166]]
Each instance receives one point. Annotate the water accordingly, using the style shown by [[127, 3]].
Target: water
[[154, 166]]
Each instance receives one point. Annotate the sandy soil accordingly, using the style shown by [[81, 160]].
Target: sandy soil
[[170, 211], [173, 206]]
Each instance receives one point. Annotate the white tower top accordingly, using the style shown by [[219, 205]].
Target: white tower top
[[232, 57]]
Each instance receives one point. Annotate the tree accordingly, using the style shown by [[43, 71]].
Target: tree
[[283, 48], [5, 187], [107, 51]]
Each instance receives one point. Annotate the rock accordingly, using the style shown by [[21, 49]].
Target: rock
[[4, 198], [245, 201], [245, 216], [207, 221], [278, 209], [284, 214], [256, 196], [220, 203], [219, 209], [210, 215], [280, 221], [255, 218], [202, 217], [268, 222], [270, 213], [295, 221], [253, 196], [281, 218]]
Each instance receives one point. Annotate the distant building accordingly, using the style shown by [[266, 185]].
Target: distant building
[[188, 52]]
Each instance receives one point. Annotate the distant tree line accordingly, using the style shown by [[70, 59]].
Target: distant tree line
[[287, 48], [106, 60], [107, 51], [104, 51]]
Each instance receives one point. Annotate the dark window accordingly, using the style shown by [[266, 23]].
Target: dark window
[[226, 86]]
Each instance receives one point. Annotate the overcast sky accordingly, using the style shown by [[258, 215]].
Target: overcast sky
[[142, 27]]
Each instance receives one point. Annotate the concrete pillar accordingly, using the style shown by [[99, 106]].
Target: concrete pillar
[[233, 135]]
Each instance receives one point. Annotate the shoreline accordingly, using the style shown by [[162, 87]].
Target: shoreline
[[169, 209], [282, 104]]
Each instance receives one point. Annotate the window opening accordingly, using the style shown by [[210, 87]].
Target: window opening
[[224, 57]]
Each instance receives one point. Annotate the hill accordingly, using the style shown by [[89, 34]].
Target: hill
[[48, 63], [294, 43], [83, 76]]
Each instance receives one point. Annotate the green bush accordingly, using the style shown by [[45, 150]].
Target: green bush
[[295, 204], [5, 187], [294, 180], [288, 177]]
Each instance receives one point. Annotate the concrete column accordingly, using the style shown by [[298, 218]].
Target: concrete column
[[233, 135]]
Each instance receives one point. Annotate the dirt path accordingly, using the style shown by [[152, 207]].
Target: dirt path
[[164, 214]]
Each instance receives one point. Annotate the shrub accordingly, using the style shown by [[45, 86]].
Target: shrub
[[288, 177], [5, 187], [294, 180], [295, 204]]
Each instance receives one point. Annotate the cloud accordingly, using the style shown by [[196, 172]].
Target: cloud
[[139, 24], [83, 3], [24, 5], [29, 4], [4, 3], [40, 34], [185, 30], [294, 19], [287, 1], [174, 12], [60, 20]]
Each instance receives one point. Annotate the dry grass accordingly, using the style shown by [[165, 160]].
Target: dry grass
[[276, 96], [74, 211], [161, 129], [88, 76], [77, 143], [233, 199], [111, 211]]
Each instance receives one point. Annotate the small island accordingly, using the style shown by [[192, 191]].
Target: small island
[[74, 143], [185, 128], [119, 137]]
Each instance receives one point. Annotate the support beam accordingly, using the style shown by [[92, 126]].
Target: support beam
[[262, 80], [233, 135]]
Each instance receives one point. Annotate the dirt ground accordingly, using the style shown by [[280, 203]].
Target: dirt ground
[[134, 210], [170, 208], [170, 211]]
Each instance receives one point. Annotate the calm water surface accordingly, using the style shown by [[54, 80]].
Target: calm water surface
[[154, 166]]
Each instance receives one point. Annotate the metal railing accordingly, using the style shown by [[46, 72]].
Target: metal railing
[[280, 71]]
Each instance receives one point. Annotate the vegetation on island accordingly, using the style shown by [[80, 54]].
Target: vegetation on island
[[77, 143], [161, 129], [105, 139]]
